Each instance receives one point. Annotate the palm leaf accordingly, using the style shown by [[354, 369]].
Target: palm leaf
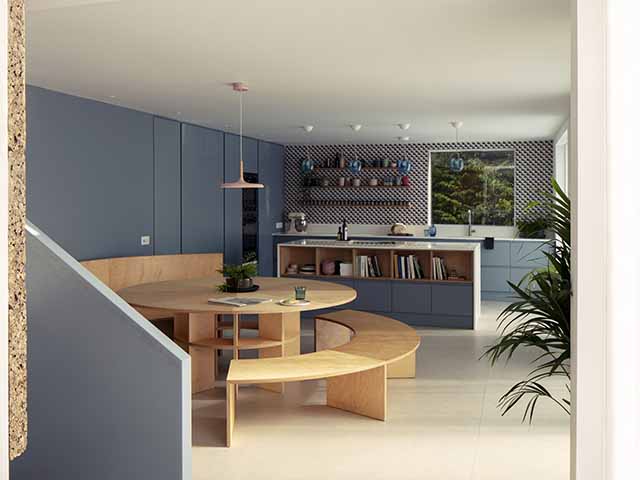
[[539, 317]]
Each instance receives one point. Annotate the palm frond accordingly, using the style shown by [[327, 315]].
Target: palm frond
[[539, 317]]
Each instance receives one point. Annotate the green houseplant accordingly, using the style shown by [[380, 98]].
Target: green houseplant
[[238, 276], [539, 318]]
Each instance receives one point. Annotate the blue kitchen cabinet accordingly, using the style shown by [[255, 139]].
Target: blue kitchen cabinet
[[373, 295], [410, 297], [499, 256], [494, 279], [202, 198], [452, 299], [167, 188], [270, 202], [528, 254]]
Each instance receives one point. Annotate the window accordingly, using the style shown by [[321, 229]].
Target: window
[[482, 182]]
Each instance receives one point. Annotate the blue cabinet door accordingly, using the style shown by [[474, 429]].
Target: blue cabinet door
[[90, 174], [451, 299], [233, 197], [494, 279], [499, 256], [270, 165], [202, 198], [528, 254], [166, 182], [373, 295], [410, 297]]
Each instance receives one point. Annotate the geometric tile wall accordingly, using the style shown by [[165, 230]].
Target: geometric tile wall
[[533, 173]]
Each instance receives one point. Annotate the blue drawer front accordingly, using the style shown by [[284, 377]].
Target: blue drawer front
[[410, 297], [452, 299], [494, 279], [498, 257], [373, 295], [528, 254]]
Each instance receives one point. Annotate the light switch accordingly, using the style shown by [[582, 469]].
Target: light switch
[[145, 240], [279, 225]]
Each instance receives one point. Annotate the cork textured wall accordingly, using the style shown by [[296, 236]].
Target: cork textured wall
[[17, 218]]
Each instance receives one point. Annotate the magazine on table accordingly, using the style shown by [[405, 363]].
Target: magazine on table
[[239, 301]]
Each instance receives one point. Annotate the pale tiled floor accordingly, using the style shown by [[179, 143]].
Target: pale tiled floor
[[441, 425]]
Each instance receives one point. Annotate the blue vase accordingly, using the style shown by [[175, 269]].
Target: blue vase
[[306, 165], [432, 230], [404, 166], [355, 166]]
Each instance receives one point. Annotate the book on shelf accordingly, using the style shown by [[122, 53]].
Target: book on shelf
[[407, 267], [439, 269], [368, 266]]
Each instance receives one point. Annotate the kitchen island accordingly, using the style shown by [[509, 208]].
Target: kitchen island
[[420, 283]]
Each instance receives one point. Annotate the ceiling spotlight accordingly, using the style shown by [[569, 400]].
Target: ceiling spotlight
[[307, 128], [404, 139], [112, 96], [356, 127], [404, 126]]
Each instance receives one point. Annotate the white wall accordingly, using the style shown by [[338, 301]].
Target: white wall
[[604, 173]]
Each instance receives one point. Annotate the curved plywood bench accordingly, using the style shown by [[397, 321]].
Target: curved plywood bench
[[122, 272], [356, 368]]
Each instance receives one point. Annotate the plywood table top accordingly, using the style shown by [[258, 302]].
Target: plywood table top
[[191, 296]]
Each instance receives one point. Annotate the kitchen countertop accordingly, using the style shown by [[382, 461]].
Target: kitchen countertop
[[408, 239], [389, 245]]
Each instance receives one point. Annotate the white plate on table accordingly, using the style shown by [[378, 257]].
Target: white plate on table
[[290, 302]]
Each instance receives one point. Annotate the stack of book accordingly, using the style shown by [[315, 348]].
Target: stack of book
[[407, 266], [439, 269], [368, 266]]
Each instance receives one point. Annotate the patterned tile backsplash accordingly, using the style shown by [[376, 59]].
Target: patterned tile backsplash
[[533, 173]]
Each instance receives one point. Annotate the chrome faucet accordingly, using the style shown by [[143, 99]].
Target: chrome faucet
[[470, 229]]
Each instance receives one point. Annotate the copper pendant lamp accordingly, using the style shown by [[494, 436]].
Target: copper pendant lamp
[[241, 183]]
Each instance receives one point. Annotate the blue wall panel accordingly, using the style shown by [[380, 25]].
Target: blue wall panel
[[270, 202], [166, 179], [89, 175], [233, 198], [202, 197]]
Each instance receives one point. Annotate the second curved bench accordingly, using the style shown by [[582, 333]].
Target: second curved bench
[[356, 371]]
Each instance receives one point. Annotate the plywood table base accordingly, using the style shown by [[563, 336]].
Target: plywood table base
[[189, 328]]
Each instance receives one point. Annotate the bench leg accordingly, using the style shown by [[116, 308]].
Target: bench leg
[[403, 368], [330, 335], [364, 393], [189, 327], [231, 411]]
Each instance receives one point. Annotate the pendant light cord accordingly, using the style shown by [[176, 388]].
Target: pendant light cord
[[241, 160]]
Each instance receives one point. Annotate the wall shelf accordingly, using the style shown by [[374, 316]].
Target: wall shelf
[[361, 187], [357, 203]]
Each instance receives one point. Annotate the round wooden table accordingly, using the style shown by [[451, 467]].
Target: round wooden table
[[198, 324]]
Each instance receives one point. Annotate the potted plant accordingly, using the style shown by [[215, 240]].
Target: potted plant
[[539, 318], [238, 277]]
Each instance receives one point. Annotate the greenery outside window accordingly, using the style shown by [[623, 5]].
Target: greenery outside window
[[482, 182]]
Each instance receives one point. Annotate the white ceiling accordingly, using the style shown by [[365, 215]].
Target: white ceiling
[[501, 66]]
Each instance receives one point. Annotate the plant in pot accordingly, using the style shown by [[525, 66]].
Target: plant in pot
[[539, 318], [238, 277]]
